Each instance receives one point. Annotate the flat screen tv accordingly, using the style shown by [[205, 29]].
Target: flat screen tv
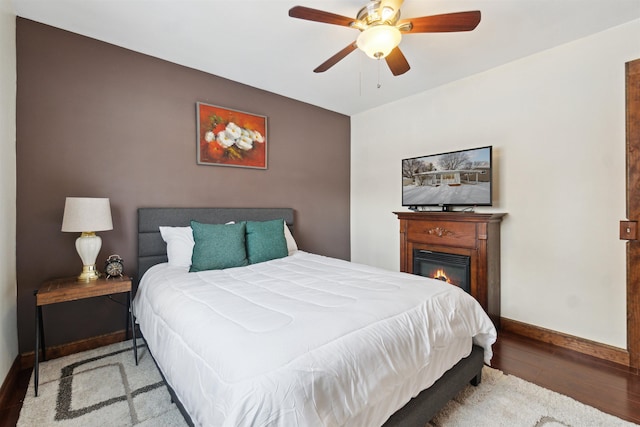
[[454, 179]]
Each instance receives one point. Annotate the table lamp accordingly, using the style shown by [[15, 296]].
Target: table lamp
[[87, 215]]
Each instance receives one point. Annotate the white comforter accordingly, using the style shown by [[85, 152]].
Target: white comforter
[[305, 340]]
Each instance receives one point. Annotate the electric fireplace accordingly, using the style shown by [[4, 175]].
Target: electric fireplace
[[450, 268], [472, 235]]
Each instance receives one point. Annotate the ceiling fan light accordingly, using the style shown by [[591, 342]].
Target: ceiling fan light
[[387, 13], [378, 41]]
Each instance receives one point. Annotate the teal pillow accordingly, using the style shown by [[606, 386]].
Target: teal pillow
[[218, 246], [266, 241]]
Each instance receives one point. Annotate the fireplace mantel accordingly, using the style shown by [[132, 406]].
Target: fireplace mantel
[[473, 234]]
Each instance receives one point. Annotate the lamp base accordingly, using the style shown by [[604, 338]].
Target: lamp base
[[89, 273], [88, 245]]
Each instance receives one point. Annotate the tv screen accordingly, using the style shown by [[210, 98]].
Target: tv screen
[[456, 178]]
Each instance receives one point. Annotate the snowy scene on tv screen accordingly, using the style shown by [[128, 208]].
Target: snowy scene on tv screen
[[457, 178]]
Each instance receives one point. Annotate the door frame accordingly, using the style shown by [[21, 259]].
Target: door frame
[[632, 81]]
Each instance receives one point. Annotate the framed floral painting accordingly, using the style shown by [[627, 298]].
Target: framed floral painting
[[231, 138]]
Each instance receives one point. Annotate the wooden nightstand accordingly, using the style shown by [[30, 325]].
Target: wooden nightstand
[[70, 289]]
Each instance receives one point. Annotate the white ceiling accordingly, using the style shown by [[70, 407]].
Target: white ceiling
[[257, 43]]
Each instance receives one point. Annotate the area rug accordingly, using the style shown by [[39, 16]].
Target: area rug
[[104, 387], [101, 387], [506, 401]]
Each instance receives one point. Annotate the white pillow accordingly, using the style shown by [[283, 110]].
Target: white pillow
[[291, 242], [179, 245]]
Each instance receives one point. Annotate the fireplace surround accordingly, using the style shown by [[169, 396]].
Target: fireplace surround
[[473, 235]]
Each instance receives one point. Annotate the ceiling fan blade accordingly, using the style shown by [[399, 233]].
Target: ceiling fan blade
[[448, 22], [335, 58], [309, 14], [397, 62]]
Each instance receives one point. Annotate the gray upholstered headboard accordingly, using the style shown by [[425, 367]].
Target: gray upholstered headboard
[[152, 249]]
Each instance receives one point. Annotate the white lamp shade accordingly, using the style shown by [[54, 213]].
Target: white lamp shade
[[378, 41], [86, 214]]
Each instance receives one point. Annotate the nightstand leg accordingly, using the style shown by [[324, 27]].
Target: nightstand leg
[[133, 326], [37, 350], [128, 317], [42, 343]]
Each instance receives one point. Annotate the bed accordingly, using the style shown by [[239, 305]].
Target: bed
[[302, 339]]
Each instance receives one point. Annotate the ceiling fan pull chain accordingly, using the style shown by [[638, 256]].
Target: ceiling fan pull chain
[[379, 85]]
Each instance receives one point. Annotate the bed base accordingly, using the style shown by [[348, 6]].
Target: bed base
[[422, 408], [419, 410], [174, 397], [152, 250]]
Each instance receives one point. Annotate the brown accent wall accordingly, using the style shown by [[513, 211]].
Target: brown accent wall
[[97, 120]]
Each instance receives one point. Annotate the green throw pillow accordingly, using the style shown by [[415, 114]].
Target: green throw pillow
[[218, 246], [266, 241]]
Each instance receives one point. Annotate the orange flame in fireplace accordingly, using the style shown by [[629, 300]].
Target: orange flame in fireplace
[[441, 275]]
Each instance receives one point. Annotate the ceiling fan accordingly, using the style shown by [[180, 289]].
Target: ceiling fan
[[381, 30]]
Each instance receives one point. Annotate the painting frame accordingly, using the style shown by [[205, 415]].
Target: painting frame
[[228, 137]]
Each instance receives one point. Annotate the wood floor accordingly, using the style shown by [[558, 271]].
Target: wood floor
[[609, 387]]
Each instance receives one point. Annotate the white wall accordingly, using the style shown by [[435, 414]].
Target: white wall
[[8, 296], [556, 121]]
